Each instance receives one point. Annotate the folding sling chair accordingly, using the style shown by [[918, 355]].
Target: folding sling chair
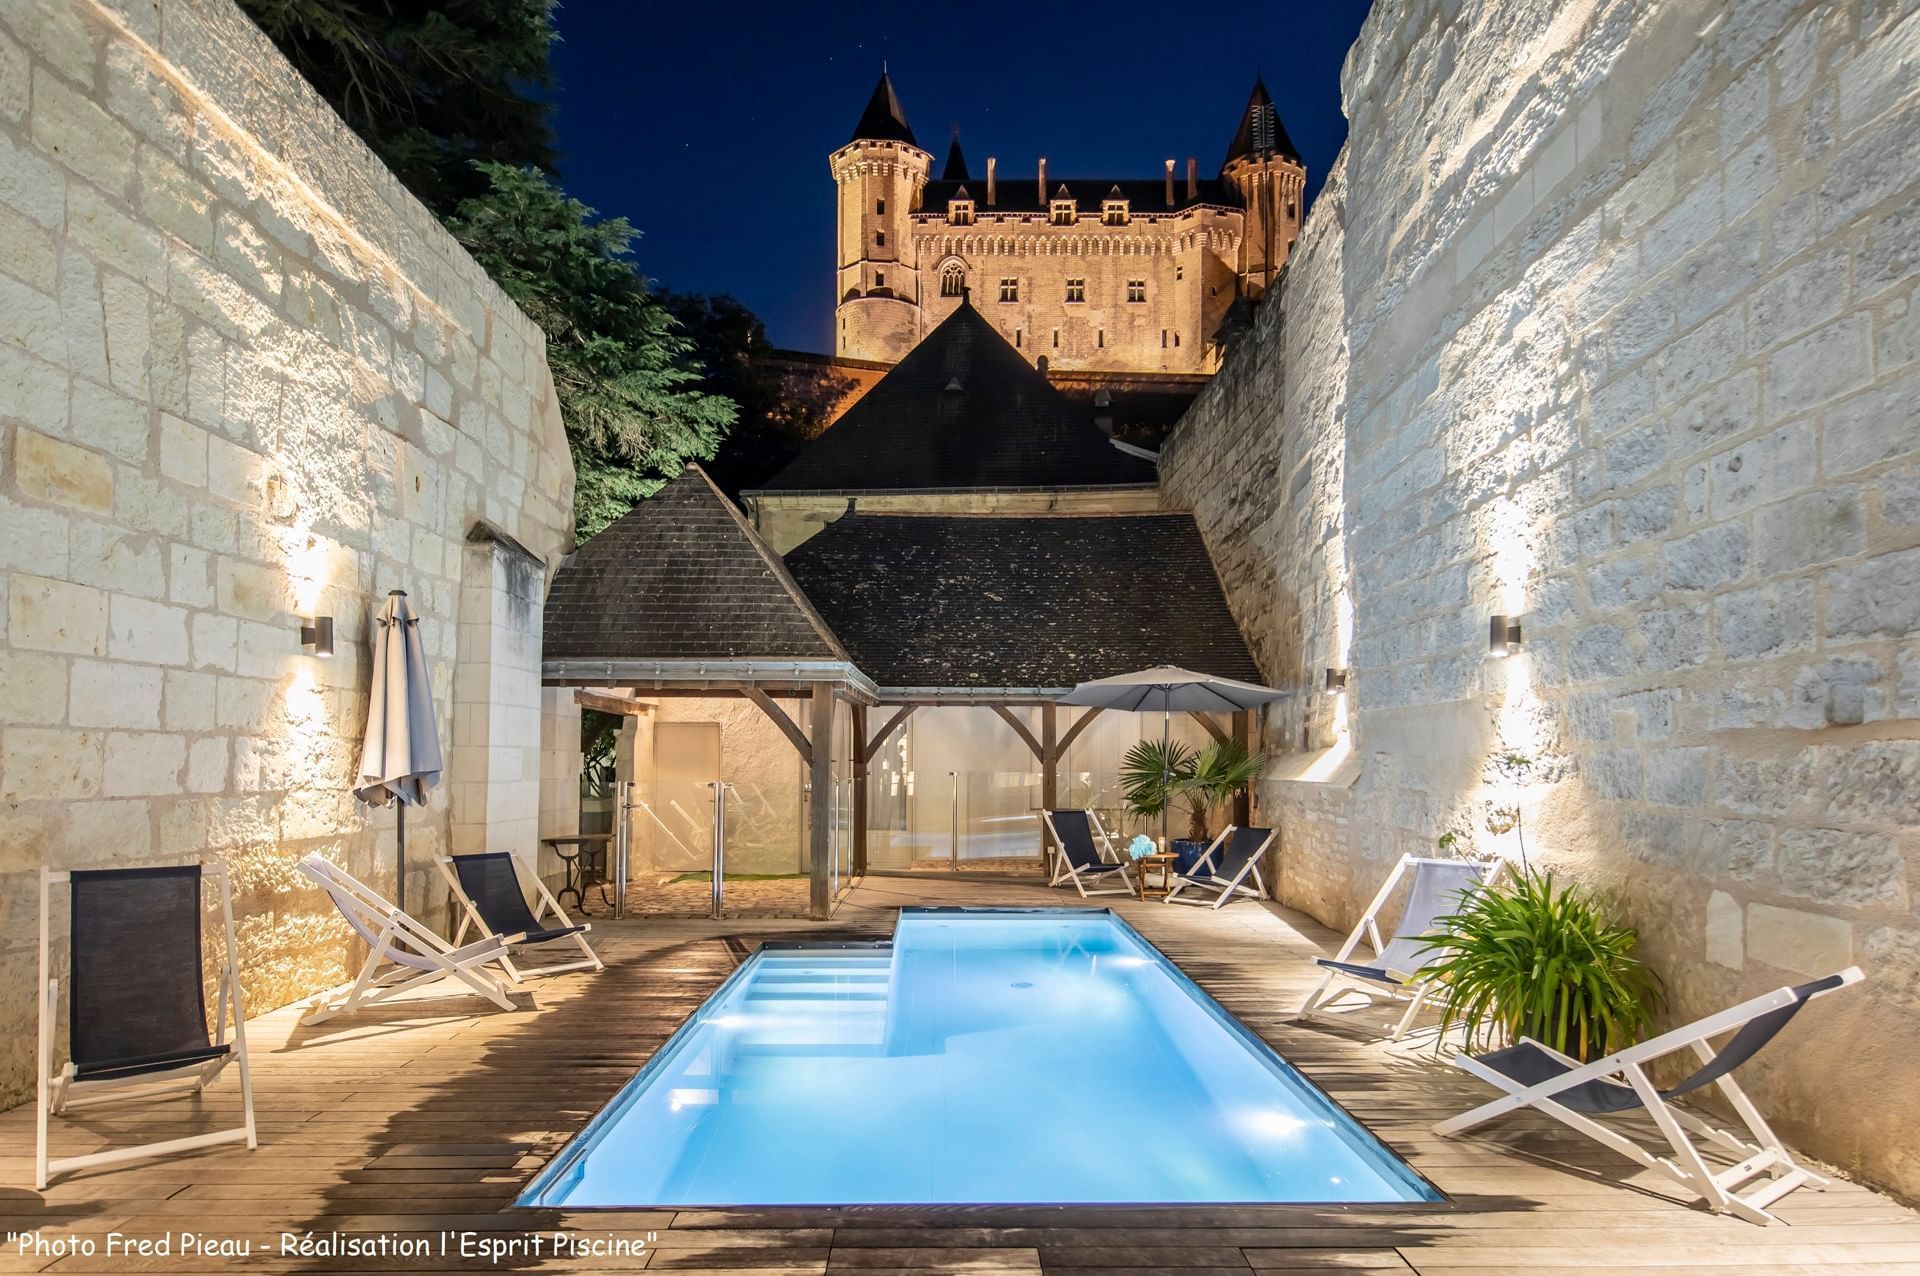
[[1543, 1080], [1225, 867], [402, 954], [488, 887], [1079, 862], [1436, 888], [136, 1004]]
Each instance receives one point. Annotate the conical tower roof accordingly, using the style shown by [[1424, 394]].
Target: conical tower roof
[[884, 120], [1261, 135], [956, 169]]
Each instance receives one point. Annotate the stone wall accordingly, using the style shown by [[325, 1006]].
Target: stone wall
[[1606, 318], [244, 378]]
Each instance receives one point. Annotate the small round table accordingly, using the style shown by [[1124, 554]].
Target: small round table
[[585, 863], [1160, 862]]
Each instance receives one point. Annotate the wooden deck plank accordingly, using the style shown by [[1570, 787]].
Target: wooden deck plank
[[427, 1118]]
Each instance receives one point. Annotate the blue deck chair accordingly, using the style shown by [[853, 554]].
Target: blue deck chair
[[488, 887], [1226, 867], [1079, 861], [1543, 1080], [1436, 888], [136, 1005]]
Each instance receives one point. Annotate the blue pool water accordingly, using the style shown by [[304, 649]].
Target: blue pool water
[[985, 1057]]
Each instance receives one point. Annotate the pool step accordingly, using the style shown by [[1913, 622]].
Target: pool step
[[812, 1004]]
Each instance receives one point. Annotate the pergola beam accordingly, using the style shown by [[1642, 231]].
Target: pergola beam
[[787, 725], [864, 746], [1206, 720], [621, 706], [1080, 724], [1020, 729]]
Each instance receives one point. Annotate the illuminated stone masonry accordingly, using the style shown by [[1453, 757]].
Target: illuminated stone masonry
[[245, 379], [1605, 319]]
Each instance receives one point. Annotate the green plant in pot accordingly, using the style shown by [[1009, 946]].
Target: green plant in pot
[[1533, 958], [1156, 775]]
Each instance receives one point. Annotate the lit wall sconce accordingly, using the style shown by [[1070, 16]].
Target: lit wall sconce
[[317, 636], [1336, 681], [1503, 636]]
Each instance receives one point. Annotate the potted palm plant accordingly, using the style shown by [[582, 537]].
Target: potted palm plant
[[1157, 774]]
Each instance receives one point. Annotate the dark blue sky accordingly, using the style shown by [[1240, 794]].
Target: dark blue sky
[[708, 125]]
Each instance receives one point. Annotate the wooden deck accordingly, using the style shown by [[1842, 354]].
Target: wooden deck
[[425, 1120]]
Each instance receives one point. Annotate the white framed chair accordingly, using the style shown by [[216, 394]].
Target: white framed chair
[[1079, 835], [136, 1004], [1229, 867], [1436, 888], [402, 953], [1540, 1079], [488, 888]]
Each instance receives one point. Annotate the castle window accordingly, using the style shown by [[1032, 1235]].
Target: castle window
[[1113, 212], [1101, 339], [1163, 338], [960, 212], [1076, 290], [1064, 212], [1056, 338], [1290, 208], [1136, 290], [880, 208], [953, 281], [1010, 288], [1179, 272], [880, 238], [1016, 339], [1176, 341], [879, 279]]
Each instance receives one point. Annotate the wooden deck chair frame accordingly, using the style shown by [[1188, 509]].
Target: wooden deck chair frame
[[59, 1093], [545, 900], [1414, 991], [1065, 870], [418, 956], [1761, 1153], [1238, 886]]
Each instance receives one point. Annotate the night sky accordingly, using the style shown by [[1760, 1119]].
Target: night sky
[[709, 125]]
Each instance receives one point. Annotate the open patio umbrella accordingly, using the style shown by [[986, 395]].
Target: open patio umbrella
[[401, 755], [1169, 688]]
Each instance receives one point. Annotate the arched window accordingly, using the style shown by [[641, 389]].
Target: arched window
[[953, 280]]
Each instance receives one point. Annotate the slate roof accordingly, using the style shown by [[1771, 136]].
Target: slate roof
[[681, 576], [884, 120], [984, 602], [962, 410], [1261, 132], [1022, 194], [956, 168]]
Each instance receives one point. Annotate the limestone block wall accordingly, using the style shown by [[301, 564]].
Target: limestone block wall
[[244, 378], [1606, 319]]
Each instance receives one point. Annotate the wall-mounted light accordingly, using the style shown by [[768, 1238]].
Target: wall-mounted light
[[1503, 636], [1336, 680], [317, 636]]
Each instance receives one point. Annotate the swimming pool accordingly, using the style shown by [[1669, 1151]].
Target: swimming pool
[[986, 1056]]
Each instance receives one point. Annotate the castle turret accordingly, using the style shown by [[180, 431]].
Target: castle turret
[[1263, 166], [880, 173]]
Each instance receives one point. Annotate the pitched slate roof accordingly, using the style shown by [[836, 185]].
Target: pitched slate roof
[[681, 576], [1261, 133], [963, 409], [883, 120], [956, 169], [1022, 195], [986, 602]]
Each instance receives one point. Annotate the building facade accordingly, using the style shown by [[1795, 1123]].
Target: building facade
[[1078, 274]]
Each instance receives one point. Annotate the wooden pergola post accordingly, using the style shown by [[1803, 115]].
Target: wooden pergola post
[[820, 811], [1049, 772], [860, 760]]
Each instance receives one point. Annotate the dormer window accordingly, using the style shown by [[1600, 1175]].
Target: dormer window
[[1114, 212], [1063, 212], [960, 208]]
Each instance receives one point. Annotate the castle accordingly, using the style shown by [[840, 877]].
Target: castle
[[1089, 275]]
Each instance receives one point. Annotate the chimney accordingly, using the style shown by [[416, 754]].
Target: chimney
[[1193, 178], [1043, 181], [990, 164], [1169, 183]]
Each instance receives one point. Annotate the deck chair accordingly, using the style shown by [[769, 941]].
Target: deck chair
[[402, 954], [1557, 1085], [136, 1004], [1079, 836], [488, 887], [1225, 867], [1435, 889]]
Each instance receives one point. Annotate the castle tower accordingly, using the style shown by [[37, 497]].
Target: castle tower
[[1264, 167], [880, 173]]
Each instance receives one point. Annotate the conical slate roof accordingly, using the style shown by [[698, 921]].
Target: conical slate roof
[[962, 410], [883, 120], [956, 169], [681, 576], [1261, 133]]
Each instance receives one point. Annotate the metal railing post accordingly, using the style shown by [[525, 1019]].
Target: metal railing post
[[622, 842], [953, 825], [719, 842]]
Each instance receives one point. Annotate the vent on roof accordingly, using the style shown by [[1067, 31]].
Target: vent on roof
[[953, 384], [1262, 116]]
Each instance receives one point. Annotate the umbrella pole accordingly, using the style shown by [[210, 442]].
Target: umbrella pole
[[1166, 770], [400, 881]]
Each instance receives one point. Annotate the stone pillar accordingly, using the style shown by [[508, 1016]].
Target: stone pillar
[[495, 731]]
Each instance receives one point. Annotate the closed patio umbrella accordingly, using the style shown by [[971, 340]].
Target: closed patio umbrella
[[401, 756], [1169, 688]]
